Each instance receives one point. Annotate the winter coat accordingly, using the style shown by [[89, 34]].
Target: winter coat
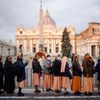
[[97, 69], [22, 66], [36, 66], [67, 71], [47, 67], [88, 68], [56, 67], [1, 75], [76, 69], [9, 83]]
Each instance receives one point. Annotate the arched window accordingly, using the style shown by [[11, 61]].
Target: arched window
[[45, 49]]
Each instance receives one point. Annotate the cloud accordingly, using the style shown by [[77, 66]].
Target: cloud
[[14, 13]]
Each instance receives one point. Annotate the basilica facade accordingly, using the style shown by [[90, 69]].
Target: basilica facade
[[49, 35], [7, 48], [88, 41]]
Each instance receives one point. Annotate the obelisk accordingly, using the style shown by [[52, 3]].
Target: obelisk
[[41, 43]]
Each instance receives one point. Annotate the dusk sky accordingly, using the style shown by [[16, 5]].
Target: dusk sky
[[78, 13]]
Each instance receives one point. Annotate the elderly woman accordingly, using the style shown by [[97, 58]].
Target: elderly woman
[[88, 71], [22, 76]]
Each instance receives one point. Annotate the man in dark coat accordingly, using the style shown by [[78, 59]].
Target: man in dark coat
[[22, 76], [98, 71], [1, 75]]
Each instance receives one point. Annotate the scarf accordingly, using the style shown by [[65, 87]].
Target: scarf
[[63, 64]]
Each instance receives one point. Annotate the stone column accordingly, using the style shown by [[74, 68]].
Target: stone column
[[97, 50], [52, 47], [48, 46], [25, 47], [31, 45]]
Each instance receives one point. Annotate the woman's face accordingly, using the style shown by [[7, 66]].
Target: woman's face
[[10, 59]]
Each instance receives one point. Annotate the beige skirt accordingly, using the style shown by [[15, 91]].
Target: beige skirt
[[88, 84], [21, 84], [65, 82], [36, 79], [57, 83], [47, 79]]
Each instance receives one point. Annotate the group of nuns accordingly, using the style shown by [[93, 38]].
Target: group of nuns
[[52, 75]]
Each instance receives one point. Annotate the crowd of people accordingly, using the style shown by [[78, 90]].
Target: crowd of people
[[57, 75]]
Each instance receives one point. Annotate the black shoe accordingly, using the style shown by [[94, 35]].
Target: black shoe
[[90, 93], [20, 94], [66, 93], [47, 90], [50, 89], [77, 93], [87, 93], [37, 91], [57, 91]]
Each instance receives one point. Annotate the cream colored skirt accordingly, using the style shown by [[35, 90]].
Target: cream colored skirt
[[21, 84], [65, 82], [88, 84], [36, 79], [57, 83]]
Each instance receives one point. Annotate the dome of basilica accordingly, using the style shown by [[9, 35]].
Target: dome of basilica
[[47, 20]]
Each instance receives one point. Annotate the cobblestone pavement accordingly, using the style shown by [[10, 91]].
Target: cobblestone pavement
[[30, 95]]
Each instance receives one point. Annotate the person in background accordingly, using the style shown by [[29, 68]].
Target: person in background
[[9, 83], [65, 75], [1, 75], [37, 72], [57, 74], [88, 71], [97, 69], [72, 57], [77, 73], [22, 76]]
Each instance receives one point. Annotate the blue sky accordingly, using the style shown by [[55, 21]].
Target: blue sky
[[78, 13]]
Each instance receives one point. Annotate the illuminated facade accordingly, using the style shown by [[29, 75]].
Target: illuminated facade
[[49, 35]]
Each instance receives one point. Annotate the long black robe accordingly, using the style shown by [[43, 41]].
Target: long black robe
[[1, 75], [9, 83]]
